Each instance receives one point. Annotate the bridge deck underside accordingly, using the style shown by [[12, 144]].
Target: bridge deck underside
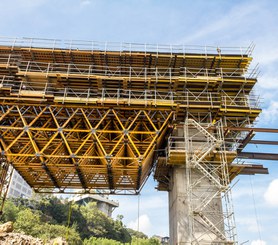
[[58, 147]]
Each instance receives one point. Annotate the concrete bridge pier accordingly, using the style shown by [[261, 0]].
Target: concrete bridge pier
[[190, 222]]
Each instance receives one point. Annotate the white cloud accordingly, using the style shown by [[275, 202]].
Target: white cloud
[[144, 224], [153, 204], [262, 53], [270, 114], [85, 2], [245, 191], [249, 223], [236, 14], [271, 194], [258, 242], [268, 81]]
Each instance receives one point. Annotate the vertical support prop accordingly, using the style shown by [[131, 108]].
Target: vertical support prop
[[6, 172]]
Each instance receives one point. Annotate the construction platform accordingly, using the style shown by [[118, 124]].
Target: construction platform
[[90, 115]]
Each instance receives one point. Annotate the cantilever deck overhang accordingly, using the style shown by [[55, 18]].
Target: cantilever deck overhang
[[74, 118]]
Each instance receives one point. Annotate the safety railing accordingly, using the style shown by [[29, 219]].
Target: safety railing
[[10, 59], [185, 97], [123, 46], [175, 143], [234, 141], [251, 101], [198, 143], [136, 96], [135, 72], [6, 81]]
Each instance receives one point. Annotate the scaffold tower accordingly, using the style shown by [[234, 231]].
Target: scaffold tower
[[79, 115]]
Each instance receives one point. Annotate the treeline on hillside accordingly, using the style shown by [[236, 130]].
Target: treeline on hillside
[[50, 217]]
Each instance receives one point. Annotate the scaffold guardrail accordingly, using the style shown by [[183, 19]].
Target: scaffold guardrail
[[211, 99], [29, 42], [127, 71]]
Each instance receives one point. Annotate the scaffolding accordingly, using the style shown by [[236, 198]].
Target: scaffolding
[[92, 46], [200, 148], [84, 115], [119, 99]]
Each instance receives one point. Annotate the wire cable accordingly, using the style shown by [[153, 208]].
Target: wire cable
[[255, 209], [138, 216]]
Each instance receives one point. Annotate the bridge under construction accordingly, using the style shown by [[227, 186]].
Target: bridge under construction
[[77, 116]]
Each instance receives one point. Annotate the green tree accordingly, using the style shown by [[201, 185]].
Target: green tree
[[100, 241], [137, 234], [10, 212], [97, 222], [145, 241], [77, 219], [120, 232], [154, 241], [53, 231], [28, 222], [53, 207], [99, 225], [47, 218]]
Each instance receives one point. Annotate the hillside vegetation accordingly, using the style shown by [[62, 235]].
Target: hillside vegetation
[[49, 217]]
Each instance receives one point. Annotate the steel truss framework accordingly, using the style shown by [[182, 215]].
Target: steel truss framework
[[63, 147]]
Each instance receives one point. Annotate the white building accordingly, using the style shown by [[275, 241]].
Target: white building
[[18, 187], [104, 204]]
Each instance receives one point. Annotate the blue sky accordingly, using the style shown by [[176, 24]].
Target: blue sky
[[219, 23]]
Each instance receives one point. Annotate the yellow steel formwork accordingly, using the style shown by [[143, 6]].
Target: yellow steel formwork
[[79, 118]]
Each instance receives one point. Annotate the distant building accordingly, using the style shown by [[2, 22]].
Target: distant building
[[19, 187], [104, 204], [164, 240]]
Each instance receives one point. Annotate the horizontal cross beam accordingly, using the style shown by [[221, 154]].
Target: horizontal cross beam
[[260, 156]]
